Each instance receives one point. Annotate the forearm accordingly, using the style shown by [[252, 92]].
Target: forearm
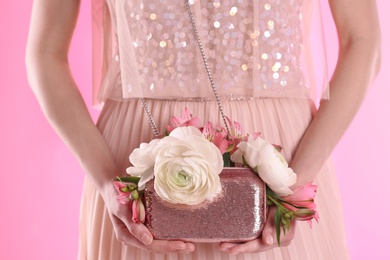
[[52, 83], [51, 29], [358, 64]]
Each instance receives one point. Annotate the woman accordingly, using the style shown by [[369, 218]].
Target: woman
[[264, 79]]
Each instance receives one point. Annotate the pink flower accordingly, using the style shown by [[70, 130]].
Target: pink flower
[[221, 142], [301, 202], [138, 210], [124, 196], [185, 119], [236, 135], [216, 137], [236, 129], [129, 195], [303, 196], [256, 135], [306, 215], [209, 131]]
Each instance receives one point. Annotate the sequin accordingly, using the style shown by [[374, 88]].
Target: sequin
[[233, 11], [153, 16], [163, 44], [167, 53], [271, 24]]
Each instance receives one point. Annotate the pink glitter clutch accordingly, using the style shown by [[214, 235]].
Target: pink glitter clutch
[[237, 214]]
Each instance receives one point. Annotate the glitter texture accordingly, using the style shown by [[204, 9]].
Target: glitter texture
[[238, 214], [162, 35]]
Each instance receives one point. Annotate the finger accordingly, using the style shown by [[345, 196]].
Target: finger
[[139, 231], [164, 246], [253, 246], [269, 230], [122, 232], [226, 246], [157, 246], [268, 233]]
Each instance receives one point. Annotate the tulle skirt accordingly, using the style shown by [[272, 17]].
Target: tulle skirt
[[125, 125]]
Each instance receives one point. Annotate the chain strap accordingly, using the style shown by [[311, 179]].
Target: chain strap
[[206, 64], [156, 132], [152, 123]]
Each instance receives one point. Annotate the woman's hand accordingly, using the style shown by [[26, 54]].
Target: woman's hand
[[267, 240], [130, 233]]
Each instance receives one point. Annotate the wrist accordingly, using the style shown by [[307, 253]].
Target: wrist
[[101, 177]]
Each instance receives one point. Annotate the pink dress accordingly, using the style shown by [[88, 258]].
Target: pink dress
[[260, 55]]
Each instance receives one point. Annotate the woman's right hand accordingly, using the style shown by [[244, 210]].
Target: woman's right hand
[[133, 234]]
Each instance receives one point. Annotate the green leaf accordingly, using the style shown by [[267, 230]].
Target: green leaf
[[132, 186], [128, 179], [272, 193], [226, 160], [125, 189], [288, 226], [277, 219], [134, 195], [230, 148]]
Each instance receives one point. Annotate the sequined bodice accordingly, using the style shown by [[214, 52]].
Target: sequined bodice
[[254, 48]]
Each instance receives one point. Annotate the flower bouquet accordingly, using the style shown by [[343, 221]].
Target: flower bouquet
[[202, 184]]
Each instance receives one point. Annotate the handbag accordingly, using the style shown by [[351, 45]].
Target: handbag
[[236, 215]]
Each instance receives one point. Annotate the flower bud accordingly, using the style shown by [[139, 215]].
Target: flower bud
[[138, 210], [134, 195], [304, 214]]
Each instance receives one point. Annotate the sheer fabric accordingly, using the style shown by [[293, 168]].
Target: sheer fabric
[[259, 48]]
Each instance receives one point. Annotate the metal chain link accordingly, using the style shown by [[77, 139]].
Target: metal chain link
[[156, 132], [152, 123], [206, 64]]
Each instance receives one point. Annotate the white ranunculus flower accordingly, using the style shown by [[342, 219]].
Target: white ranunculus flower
[[264, 159], [143, 159], [187, 167]]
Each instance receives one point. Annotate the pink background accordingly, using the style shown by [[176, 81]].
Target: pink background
[[41, 182]]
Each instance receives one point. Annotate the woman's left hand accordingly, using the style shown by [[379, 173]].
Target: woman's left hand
[[265, 242]]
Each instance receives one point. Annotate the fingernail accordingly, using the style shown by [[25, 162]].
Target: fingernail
[[146, 239], [269, 239], [181, 246], [190, 250], [225, 247]]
